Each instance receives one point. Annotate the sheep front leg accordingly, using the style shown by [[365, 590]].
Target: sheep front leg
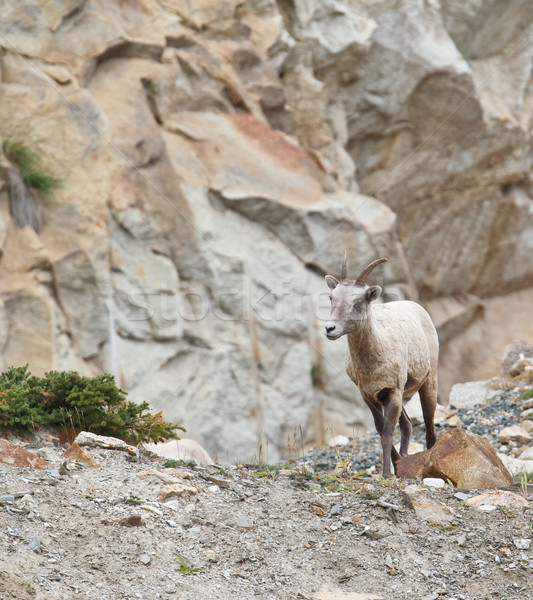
[[377, 413], [392, 409]]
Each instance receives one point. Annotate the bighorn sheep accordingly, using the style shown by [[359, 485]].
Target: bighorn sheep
[[392, 354]]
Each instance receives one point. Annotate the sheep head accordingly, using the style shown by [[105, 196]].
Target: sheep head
[[350, 300]]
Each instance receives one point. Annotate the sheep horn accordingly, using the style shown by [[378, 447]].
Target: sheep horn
[[361, 280], [343, 270]]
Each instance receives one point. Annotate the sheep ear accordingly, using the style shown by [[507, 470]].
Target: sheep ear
[[373, 292], [332, 282]]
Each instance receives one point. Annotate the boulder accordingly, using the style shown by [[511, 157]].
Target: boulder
[[74, 452], [184, 449], [87, 438], [472, 393], [12, 454], [426, 507], [499, 498], [515, 466], [467, 460]]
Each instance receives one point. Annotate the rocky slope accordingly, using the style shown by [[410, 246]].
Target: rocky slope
[[133, 527], [218, 157]]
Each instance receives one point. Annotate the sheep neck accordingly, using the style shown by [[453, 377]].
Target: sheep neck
[[363, 341]]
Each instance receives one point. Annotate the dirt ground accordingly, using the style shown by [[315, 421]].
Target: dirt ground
[[105, 533]]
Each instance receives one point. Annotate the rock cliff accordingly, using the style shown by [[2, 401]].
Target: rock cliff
[[218, 156]]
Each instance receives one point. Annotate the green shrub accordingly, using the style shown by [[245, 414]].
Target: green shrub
[[68, 401], [33, 169]]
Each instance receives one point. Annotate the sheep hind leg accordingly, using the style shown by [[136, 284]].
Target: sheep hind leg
[[391, 413], [428, 400], [406, 429]]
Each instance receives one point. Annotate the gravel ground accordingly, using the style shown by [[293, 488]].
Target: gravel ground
[[105, 533], [364, 451]]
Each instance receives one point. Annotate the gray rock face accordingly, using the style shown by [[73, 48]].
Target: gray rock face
[[217, 159]]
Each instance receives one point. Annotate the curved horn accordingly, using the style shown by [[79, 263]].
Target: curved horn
[[361, 280], [343, 271]]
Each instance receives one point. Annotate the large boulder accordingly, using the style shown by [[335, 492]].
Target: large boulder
[[467, 460]]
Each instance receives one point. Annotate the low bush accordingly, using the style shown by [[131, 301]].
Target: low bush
[[33, 169], [68, 401]]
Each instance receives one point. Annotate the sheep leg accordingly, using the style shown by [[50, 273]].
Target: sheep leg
[[377, 413], [405, 428], [428, 400], [392, 410]]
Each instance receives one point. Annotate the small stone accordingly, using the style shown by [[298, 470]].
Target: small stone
[[495, 499], [178, 473], [520, 366], [454, 421], [222, 483], [175, 489], [213, 489], [461, 540], [244, 523], [74, 452], [132, 521], [514, 433], [35, 545], [338, 440], [145, 559], [527, 454], [504, 551], [156, 476], [461, 496], [171, 523], [527, 425], [330, 592], [151, 509], [7, 499], [425, 507], [487, 507], [335, 510], [356, 520], [526, 415], [522, 543], [434, 482], [317, 510]]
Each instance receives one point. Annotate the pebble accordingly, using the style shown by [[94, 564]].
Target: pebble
[[522, 543], [35, 545], [244, 522], [335, 510], [338, 440], [132, 521], [434, 482], [145, 559]]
